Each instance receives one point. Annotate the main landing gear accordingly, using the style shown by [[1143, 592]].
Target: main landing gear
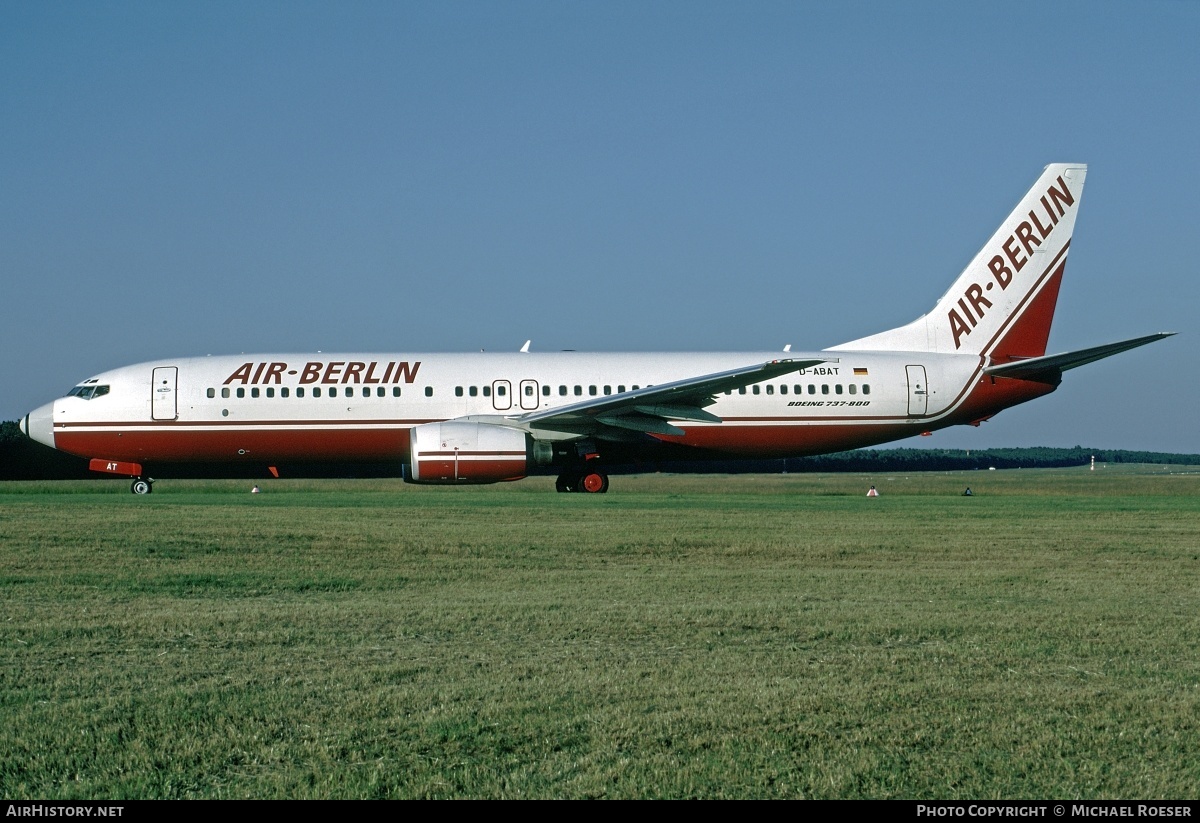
[[586, 480], [143, 485]]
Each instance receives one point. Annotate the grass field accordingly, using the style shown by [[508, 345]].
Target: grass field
[[682, 636]]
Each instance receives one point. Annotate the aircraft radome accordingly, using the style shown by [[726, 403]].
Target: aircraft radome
[[488, 417]]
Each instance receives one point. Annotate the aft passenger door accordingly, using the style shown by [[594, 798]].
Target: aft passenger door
[[918, 391], [163, 404]]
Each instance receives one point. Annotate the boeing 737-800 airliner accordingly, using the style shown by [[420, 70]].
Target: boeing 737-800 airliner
[[485, 417]]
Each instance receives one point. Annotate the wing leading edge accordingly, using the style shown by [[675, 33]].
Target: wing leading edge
[[649, 410]]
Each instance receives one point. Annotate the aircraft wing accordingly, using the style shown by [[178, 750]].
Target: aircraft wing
[[649, 409], [1049, 369]]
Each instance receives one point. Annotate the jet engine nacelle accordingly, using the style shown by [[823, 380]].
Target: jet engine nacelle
[[459, 453]]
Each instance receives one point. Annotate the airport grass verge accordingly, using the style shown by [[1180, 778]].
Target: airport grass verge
[[758, 636]]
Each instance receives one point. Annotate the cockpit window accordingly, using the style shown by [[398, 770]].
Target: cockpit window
[[88, 392]]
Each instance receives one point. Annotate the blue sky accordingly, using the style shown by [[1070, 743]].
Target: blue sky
[[194, 178]]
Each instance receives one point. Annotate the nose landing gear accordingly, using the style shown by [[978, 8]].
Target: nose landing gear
[[143, 485]]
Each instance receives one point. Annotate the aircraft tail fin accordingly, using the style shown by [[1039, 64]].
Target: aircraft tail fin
[[1002, 305]]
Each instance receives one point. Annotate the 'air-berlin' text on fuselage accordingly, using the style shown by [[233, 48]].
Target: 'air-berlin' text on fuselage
[[334, 371], [1017, 249]]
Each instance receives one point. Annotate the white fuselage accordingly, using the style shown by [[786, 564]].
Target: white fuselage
[[288, 407]]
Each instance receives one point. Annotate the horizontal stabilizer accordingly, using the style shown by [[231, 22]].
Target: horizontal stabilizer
[[1051, 367]]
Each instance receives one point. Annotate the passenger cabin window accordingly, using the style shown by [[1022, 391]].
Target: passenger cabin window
[[300, 391], [211, 393], [429, 391], [395, 391], [285, 391], [241, 392], [458, 391], [225, 392], [316, 391], [254, 392]]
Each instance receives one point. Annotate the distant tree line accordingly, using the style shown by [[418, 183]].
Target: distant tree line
[[893, 460], [24, 459]]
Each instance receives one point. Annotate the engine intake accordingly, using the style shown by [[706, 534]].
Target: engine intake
[[460, 453]]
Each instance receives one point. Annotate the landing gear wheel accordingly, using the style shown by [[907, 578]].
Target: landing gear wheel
[[593, 482], [141, 486], [566, 483]]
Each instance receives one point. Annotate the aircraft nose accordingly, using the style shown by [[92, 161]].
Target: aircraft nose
[[39, 425]]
